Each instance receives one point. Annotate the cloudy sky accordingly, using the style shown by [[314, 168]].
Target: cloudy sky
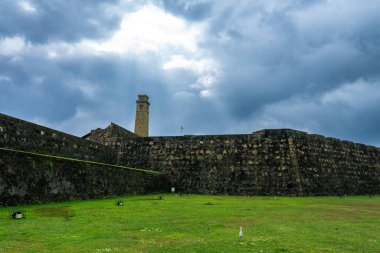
[[214, 67]]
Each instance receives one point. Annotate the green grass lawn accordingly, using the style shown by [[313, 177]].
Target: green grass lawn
[[196, 223]]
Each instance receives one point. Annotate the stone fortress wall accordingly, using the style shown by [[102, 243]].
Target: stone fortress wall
[[330, 166], [30, 178], [267, 162]]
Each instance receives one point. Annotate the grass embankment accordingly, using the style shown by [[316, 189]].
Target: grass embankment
[[196, 223]]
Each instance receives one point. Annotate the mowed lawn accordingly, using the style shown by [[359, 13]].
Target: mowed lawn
[[196, 223]]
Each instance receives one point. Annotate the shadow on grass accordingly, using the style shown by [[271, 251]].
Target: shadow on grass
[[154, 198], [63, 211]]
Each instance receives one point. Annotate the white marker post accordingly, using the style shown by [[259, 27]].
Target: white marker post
[[241, 232]]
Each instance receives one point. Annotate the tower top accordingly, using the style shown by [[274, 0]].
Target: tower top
[[142, 98]]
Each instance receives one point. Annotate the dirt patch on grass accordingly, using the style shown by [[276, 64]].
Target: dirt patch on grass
[[363, 205], [346, 212], [245, 222], [63, 211]]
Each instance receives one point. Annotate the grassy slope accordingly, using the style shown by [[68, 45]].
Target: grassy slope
[[197, 223]]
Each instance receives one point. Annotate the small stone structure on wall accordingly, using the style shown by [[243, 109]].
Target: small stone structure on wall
[[109, 136]]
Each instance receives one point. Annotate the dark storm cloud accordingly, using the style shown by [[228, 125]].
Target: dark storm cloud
[[308, 65], [37, 90], [297, 49], [350, 112], [54, 90], [58, 19]]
